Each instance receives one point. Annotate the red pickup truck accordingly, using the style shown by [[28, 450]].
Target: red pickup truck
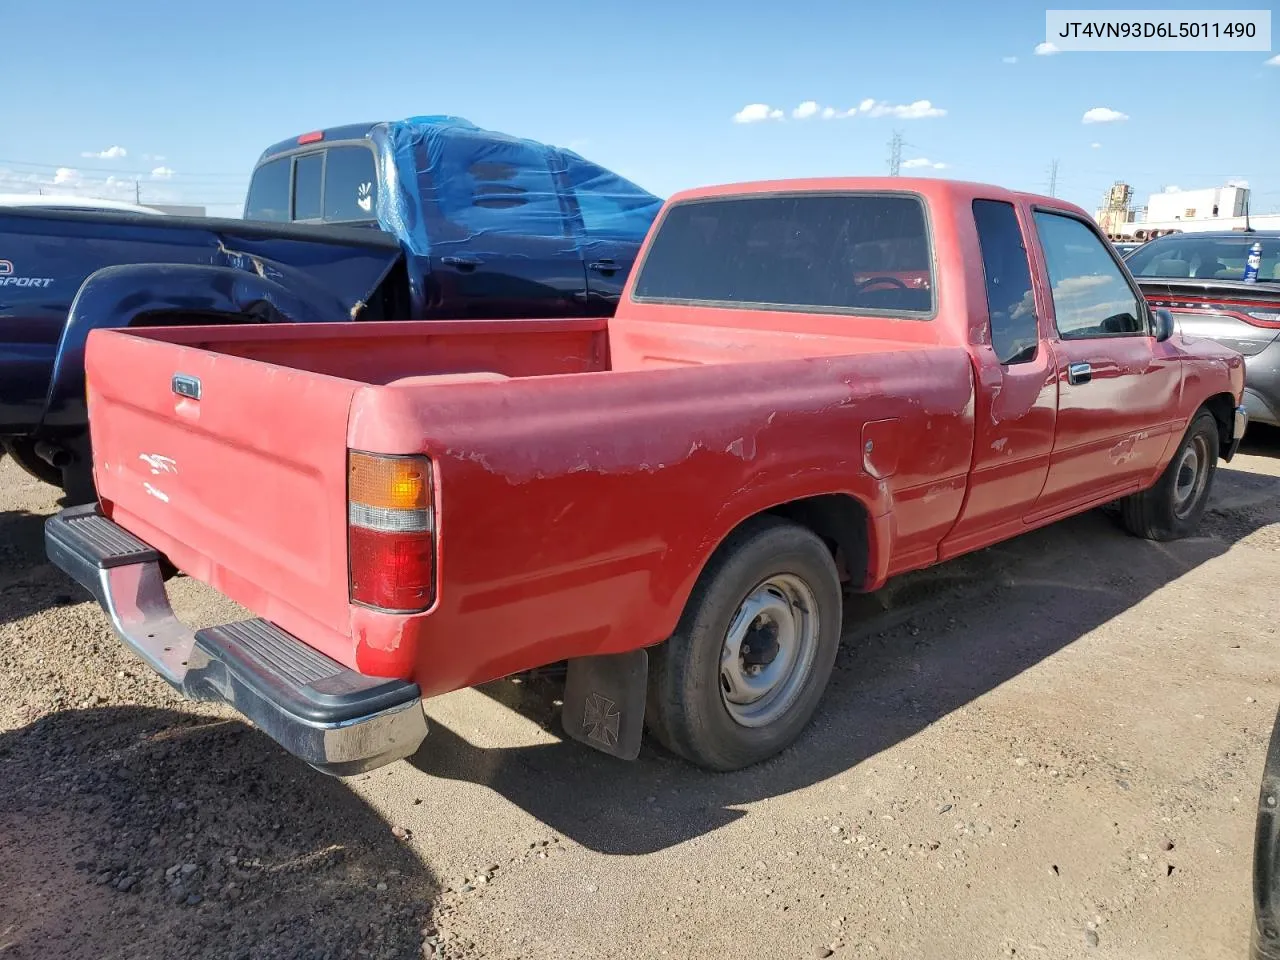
[[807, 386]]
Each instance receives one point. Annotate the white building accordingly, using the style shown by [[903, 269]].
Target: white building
[[1194, 211], [1207, 204]]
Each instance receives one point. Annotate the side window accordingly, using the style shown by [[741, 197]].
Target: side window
[[1010, 301], [269, 192], [610, 206], [307, 171], [487, 188], [1091, 297], [350, 185]]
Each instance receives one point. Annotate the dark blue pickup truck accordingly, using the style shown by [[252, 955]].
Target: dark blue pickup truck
[[430, 217]]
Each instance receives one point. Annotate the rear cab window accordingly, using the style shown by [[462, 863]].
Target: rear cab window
[[856, 253], [334, 184], [308, 174], [269, 191], [350, 184]]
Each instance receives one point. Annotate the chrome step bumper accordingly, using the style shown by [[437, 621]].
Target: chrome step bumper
[[338, 721]]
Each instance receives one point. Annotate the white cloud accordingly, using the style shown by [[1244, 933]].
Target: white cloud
[[916, 110], [162, 173], [1273, 62], [67, 181], [757, 112], [1095, 145], [921, 163], [1103, 115], [1172, 189], [1009, 59], [1238, 183], [112, 152], [1046, 49], [869, 107]]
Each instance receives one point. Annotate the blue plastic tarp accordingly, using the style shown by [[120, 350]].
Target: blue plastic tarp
[[462, 185]]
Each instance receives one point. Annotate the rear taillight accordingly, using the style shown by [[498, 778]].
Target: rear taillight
[[391, 531]]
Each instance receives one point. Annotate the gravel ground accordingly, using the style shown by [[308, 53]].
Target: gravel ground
[[1047, 749]]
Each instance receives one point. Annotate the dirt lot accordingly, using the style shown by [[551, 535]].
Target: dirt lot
[[1048, 749]]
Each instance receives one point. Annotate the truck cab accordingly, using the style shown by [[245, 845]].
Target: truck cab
[[493, 225]]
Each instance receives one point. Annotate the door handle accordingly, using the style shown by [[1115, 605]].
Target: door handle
[[465, 264], [603, 266], [1078, 373]]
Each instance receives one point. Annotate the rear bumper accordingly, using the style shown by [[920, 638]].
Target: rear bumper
[[338, 721]]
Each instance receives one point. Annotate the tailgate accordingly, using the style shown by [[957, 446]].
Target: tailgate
[[241, 482]]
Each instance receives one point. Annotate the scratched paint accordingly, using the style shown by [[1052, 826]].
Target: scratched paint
[[158, 463]]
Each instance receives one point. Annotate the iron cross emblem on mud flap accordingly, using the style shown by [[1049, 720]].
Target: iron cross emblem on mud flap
[[600, 720]]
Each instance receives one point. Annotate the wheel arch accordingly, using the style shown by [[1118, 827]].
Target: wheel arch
[[842, 520], [1223, 407]]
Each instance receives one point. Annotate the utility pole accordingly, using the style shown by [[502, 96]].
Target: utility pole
[[137, 192], [895, 154], [1053, 179]]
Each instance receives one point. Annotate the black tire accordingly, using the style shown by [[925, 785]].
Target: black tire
[[1171, 509], [687, 709]]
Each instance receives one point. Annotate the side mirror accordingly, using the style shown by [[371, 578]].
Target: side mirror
[[1162, 324]]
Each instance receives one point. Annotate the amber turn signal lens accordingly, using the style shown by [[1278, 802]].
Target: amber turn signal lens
[[395, 483]]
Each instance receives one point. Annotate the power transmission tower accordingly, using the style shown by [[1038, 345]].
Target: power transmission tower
[[137, 192], [895, 154], [1053, 179]]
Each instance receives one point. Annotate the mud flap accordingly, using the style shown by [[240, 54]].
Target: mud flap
[[604, 701]]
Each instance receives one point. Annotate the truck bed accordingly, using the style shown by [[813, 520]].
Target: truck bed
[[226, 450]]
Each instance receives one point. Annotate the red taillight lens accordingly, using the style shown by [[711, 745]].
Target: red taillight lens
[[391, 532], [393, 571]]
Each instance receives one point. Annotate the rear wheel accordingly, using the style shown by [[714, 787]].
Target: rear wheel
[[743, 673], [1172, 508]]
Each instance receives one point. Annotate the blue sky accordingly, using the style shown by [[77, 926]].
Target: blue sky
[[193, 92]]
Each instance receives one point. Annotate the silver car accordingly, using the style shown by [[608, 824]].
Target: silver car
[[1200, 278]]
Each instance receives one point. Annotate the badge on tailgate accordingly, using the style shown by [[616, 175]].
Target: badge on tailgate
[[185, 386]]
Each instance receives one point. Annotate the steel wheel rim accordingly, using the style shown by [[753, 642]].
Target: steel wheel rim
[[1191, 476], [779, 616]]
